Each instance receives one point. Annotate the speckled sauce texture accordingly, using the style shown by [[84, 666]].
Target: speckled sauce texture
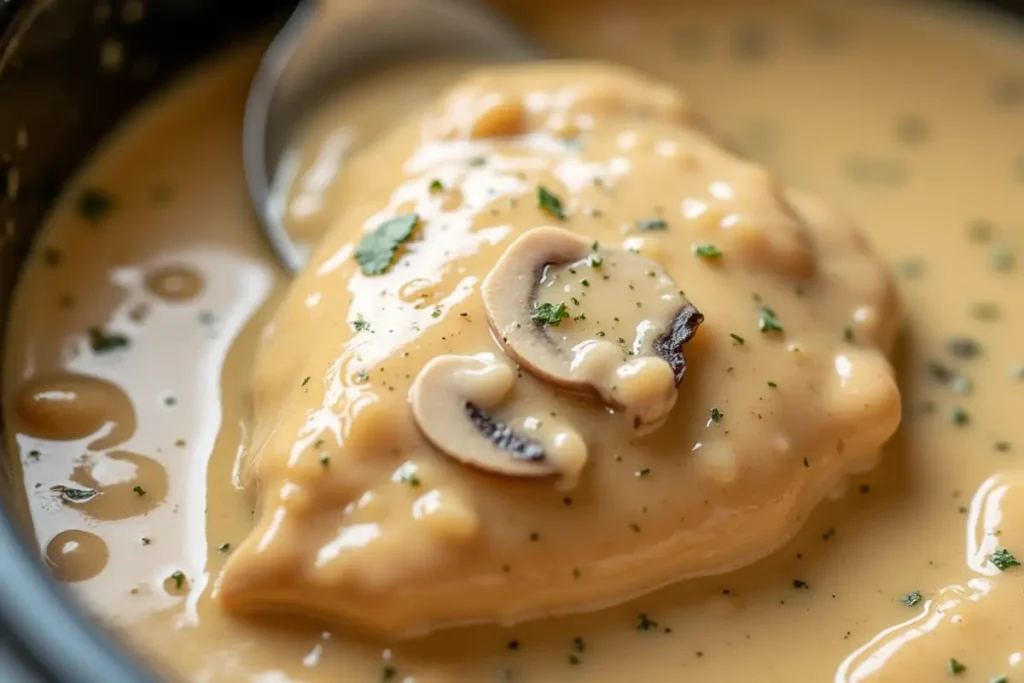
[[213, 454]]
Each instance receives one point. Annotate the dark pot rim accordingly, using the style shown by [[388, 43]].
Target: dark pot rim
[[39, 621]]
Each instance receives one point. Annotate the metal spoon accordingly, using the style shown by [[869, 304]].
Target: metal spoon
[[328, 42]]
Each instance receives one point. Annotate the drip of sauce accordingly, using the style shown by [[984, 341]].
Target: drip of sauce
[[934, 180]]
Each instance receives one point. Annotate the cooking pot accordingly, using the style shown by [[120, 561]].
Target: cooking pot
[[69, 71]]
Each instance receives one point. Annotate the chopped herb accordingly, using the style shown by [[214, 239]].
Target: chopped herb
[[94, 204], [912, 129], [797, 583], [750, 43], [145, 541], [223, 547], [980, 230], [34, 454], [377, 249], [578, 643], [574, 660], [643, 472], [939, 371], [318, 443], [139, 491], [910, 268], [985, 310], [478, 160], [956, 668], [645, 623], [767, 322], [963, 347], [305, 380], [585, 282], [1001, 259], [911, 599], [359, 324], [716, 415], [773, 385], [436, 313], [737, 338], [388, 673], [550, 202], [1003, 559], [51, 256], [959, 416], [707, 251], [513, 644], [105, 342], [179, 579], [325, 460], [594, 261], [75, 495], [409, 476], [848, 334], [648, 224], [999, 679], [436, 185], [550, 314], [1003, 446]]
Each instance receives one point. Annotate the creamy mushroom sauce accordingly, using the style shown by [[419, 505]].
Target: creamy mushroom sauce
[[151, 280]]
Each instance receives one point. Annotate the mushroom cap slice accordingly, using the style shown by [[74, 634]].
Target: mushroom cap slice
[[453, 399], [638, 367]]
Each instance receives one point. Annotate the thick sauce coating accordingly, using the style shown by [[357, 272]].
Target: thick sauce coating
[[787, 387], [908, 576]]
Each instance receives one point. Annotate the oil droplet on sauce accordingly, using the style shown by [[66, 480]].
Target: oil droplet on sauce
[[76, 555], [68, 407]]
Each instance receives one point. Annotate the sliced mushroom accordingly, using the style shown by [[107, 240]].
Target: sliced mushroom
[[453, 399], [636, 367]]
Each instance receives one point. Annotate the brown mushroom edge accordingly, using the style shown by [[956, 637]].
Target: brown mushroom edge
[[638, 379]]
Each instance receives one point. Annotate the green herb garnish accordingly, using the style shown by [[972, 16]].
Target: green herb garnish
[[550, 314], [1003, 559], [75, 495], [179, 579], [436, 185], [707, 251], [648, 224], [105, 342], [737, 338], [377, 249], [959, 416], [768, 322], [911, 599], [716, 415], [643, 472], [305, 380], [797, 583], [223, 547], [550, 202], [94, 204], [594, 261], [645, 623], [956, 668], [360, 325], [139, 491]]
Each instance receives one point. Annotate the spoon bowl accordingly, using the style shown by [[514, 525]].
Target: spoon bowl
[[327, 43]]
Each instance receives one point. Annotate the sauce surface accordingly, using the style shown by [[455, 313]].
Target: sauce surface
[[150, 288]]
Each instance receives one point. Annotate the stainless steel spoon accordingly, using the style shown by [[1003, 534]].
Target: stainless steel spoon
[[328, 42]]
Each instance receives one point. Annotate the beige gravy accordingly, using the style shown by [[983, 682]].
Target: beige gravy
[[149, 290]]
